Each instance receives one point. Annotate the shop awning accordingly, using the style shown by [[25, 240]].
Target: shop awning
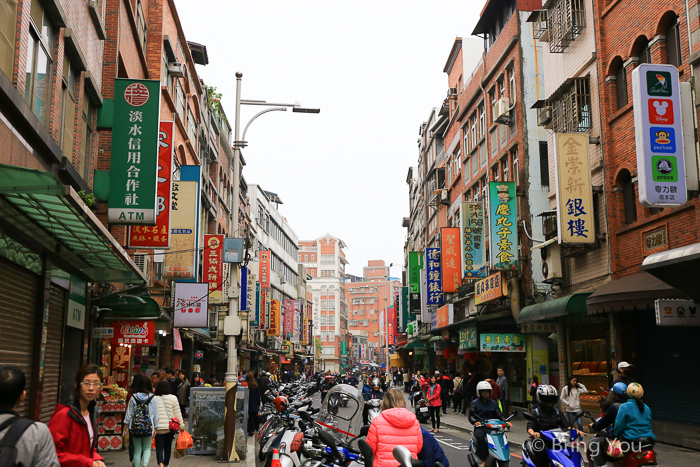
[[551, 309], [132, 306], [634, 292], [51, 218], [677, 267]]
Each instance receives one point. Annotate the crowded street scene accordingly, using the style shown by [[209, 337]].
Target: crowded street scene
[[378, 234]]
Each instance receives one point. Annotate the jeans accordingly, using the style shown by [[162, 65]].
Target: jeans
[[435, 411], [164, 447], [457, 400], [142, 450], [570, 416], [481, 447], [445, 403]]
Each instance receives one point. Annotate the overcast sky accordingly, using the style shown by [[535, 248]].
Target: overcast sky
[[374, 68]]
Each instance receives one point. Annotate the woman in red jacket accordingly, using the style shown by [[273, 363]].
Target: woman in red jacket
[[434, 402], [74, 427], [394, 426]]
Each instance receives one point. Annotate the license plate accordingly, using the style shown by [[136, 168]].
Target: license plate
[[423, 409]]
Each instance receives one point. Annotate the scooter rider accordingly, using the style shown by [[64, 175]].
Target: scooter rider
[[548, 416], [483, 408], [375, 393], [598, 446]]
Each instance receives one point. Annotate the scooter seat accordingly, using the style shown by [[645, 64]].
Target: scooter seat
[[527, 447], [646, 442]]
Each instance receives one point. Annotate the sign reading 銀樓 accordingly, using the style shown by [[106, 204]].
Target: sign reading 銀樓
[[503, 224], [574, 190], [450, 254], [134, 162], [433, 276], [190, 306], [502, 343], [658, 131], [474, 261], [677, 313], [490, 288]]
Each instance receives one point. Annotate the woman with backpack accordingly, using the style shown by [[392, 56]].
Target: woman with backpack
[[168, 413], [458, 392], [141, 418]]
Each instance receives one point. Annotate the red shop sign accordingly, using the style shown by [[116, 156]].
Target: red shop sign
[[137, 332]]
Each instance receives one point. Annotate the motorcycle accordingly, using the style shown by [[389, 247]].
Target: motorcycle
[[560, 447], [642, 453], [373, 409], [499, 453], [421, 406]]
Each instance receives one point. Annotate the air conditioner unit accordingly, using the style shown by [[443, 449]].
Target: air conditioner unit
[[502, 111], [551, 263], [143, 262], [176, 69], [444, 198], [452, 93]]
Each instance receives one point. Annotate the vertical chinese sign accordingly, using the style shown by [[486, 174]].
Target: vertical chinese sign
[[574, 190], [434, 276], [264, 269], [134, 162], [451, 259], [504, 229], [295, 323], [288, 319], [273, 327], [255, 321], [474, 261], [262, 306], [415, 265], [180, 263], [213, 271], [159, 235]]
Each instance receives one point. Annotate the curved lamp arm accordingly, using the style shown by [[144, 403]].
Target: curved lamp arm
[[272, 109]]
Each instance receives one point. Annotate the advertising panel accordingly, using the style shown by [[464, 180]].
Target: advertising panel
[[450, 254], [415, 264], [677, 313], [255, 321], [474, 261], [190, 307], [180, 263], [134, 332], [273, 327], [491, 288], [213, 269], [502, 342], [76, 302], [467, 337], [445, 315], [503, 226], [433, 276], [288, 318], [264, 269]]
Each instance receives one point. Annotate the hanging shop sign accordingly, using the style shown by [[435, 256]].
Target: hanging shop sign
[[433, 319], [433, 276], [190, 306], [404, 304], [134, 162], [199, 354], [288, 318], [503, 226], [502, 343], [255, 321], [121, 357], [134, 332], [491, 288], [213, 268], [677, 313], [343, 348], [180, 262], [440, 348], [415, 264], [534, 328], [102, 333], [474, 261], [264, 269], [76, 302], [296, 326], [467, 338], [268, 304], [450, 254], [574, 190], [177, 339], [245, 289], [159, 235], [658, 129], [445, 315], [273, 327]]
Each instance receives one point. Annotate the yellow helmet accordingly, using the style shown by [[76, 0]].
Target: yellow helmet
[[635, 391]]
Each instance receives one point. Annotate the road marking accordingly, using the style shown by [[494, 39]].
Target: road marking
[[459, 448]]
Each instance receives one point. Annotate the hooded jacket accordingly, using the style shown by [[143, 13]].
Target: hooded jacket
[[431, 451], [433, 394], [632, 424], [71, 437], [394, 427]]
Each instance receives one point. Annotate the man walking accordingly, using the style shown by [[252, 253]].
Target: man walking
[[446, 388], [503, 384], [406, 381]]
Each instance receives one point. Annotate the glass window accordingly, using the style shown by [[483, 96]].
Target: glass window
[[511, 82], [86, 139], [37, 92], [67, 121], [179, 99], [8, 27], [673, 43], [482, 121], [630, 201], [141, 25], [544, 163], [621, 85], [644, 51]]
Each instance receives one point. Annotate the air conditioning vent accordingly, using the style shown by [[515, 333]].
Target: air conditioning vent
[[143, 262], [502, 111], [176, 69], [551, 263], [444, 198]]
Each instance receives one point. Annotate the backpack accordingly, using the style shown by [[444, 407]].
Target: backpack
[[8, 444], [460, 388], [141, 425]]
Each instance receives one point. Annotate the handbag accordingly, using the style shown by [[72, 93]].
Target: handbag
[[174, 423], [615, 448]]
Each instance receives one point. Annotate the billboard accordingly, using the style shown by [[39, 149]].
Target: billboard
[[574, 189], [433, 276], [503, 226], [213, 273], [180, 263], [491, 288], [450, 254], [273, 327], [415, 264], [190, 306], [264, 269], [474, 261]]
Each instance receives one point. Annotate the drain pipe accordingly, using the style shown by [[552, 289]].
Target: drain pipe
[[514, 284]]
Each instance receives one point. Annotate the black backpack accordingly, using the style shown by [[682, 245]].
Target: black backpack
[[8, 444]]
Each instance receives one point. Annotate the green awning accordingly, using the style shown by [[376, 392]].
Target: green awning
[[435, 339], [412, 344], [130, 306], [571, 304], [54, 220]]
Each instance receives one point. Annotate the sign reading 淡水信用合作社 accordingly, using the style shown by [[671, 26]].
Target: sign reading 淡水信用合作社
[[134, 161], [658, 131]]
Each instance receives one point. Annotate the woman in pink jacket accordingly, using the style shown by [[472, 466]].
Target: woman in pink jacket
[[434, 402], [395, 426]]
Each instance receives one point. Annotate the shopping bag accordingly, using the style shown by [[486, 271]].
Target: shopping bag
[[615, 448], [125, 438], [184, 440], [179, 453], [153, 443]]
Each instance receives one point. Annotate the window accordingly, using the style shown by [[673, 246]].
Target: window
[[511, 83], [371, 312], [473, 131], [37, 91], [482, 121], [323, 320], [331, 336], [69, 84], [331, 304], [179, 99], [644, 52], [566, 20], [362, 312], [329, 351], [629, 198], [365, 322], [494, 100], [376, 333], [354, 312], [544, 163], [571, 110], [516, 173], [621, 85], [8, 27], [324, 334], [141, 25], [86, 138], [673, 43], [353, 322], [331, 320], [323, 304]]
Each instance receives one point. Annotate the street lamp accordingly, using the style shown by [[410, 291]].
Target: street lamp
[[386, 314], [231, 378]]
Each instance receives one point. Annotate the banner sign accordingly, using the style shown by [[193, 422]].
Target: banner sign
[[159, 236], [433, 276], [574, 189], [255, 321], [491, 288], [264, 269], [415, 264], [433, 319], [391, 325], [658, 129], [213, 269], [288, 318], [268, 304], [503, 226], [404, 304], [445, 315], [295, 322], [137, 332], [76, 302], [180, 263], [450, 254], [134, 162], [677, 313], [439, 348], [502, 343], [474, 261], [467, 338], [177, 339], [190, 307], [343, 348], [273, 327]]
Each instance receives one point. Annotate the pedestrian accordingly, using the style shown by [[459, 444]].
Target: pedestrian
[[424, 384], [570, 399], [182, 391], [74, 427], [533, 392], [196, 380], [168, 409], [458, 391], [172, 379], [469, 389], [446, 387], [253, 404], [32, 440], [394, 426], [495, 390], [407, 381], [434, 403], [154, 379], [141, 418], [502, 382]]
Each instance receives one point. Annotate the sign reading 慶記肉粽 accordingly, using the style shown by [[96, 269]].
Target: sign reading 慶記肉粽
[[503, 224], [658, 128], [134, 162]]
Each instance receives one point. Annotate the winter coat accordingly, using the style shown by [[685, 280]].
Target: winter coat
[[394, 427], [631, 424], [485, 410], [35, 447], [434, 396], [152, 409], [608, 419], [431, 452], [423, 383], [570, 398], [254, 401], [445, 385], [470, 383], [168, 407], [495, 390], [71, 437], [183, 393], [548, 419]]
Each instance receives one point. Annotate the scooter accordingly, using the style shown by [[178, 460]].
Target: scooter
[[642, 453], [499, 452], [553, 447], [373, 409], [421, 407]]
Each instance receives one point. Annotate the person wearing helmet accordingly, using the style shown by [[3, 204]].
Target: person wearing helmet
[[633, 420], [547, 416], [597, 446], [483, 408], [374, 393]]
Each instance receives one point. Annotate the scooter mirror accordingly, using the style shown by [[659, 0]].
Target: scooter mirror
[[403, 456], [304, 416]]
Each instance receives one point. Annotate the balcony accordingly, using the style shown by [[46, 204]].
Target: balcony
[[544, 114], [571, 106], [566, 20]]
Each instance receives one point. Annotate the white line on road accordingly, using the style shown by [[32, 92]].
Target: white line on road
[[453, 446]]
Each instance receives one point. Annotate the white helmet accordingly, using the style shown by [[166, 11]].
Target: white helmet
[[547, 393], [483, 386]]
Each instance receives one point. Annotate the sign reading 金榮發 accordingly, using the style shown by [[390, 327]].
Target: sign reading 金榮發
[[433, 276], [503, 225], [658, 131], [134, 161], [474, 261]]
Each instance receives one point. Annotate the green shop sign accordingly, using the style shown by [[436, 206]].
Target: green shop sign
[[467, 338], [343, 348], [502, 342]]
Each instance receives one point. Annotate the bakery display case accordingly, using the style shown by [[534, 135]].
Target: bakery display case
[[590, 367]]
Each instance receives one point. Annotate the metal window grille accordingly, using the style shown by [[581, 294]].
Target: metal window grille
[[566, 19], [571, 111], [540, 26]]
